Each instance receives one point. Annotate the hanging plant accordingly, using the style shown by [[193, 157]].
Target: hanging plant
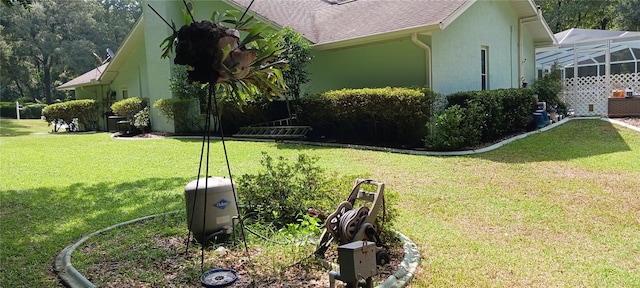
[[216, 54]]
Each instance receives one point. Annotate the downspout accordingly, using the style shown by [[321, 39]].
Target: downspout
[[521, 59], [427, 49]]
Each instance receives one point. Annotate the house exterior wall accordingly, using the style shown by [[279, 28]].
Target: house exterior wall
[[456, 49], [393, 63], [530, 72], [158, 70], [97, 93]]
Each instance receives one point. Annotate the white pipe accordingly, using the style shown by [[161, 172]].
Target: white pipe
[[427, 49], [521, 59]]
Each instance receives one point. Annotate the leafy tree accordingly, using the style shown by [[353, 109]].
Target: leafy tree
[[11, 3], [297, 54], [591, 14], [628, 15], [50, 42]]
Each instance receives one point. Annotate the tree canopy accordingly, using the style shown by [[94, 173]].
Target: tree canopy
[[46, 42], [623, 15]]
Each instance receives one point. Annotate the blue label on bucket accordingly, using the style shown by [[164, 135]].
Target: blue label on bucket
[[222, 204]]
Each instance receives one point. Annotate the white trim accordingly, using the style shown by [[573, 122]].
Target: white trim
[[427, 49], [453, 16], [397, 34]]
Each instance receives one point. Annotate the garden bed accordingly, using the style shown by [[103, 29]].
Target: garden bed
[[153, 253]]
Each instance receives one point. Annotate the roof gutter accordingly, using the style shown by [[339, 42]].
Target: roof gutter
[[427, 49]]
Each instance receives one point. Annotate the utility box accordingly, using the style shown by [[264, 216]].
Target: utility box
[[211, 206], [357, 261]]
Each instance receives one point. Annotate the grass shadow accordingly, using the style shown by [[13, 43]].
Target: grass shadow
[[38, 223], [13, 128], [572, 140]]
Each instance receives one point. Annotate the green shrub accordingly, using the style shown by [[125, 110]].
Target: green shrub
[[283, 190], [548, 87], [282, 193], [85, 111], [128, 107], [8, 110], [456, 128], [371, 115], [234, 117], [184, 113], [32, 111], [504, 111], [142, 120]]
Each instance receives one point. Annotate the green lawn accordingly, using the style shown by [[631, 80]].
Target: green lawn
[[559, 208]]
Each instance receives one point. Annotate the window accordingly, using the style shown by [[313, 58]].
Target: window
[[484, 69], [125, 93]]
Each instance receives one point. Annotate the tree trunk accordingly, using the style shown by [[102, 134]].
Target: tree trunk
[[19, 88], [46, 79]]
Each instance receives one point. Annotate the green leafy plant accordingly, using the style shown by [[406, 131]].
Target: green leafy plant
[[128, 107], [85, 111], [32, 111], [246, 67], [549, 86], [142, 120], [297, 54], [286, 189], [457, 127], [184, 113], [504, 111], [304, 227], [377, 115]]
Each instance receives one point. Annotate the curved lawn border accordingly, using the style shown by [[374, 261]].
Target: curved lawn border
[[408, 151], [466, 152], [69, 276]]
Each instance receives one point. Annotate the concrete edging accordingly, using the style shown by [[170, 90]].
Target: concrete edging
[[408, 151], [466, 152], [69, 276]]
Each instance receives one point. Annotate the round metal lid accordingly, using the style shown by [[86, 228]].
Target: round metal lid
[[220, 277]]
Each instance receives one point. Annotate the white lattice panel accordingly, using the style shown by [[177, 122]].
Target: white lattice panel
[[588, 95]]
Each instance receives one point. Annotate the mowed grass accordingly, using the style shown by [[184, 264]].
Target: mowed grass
[[558, 208]]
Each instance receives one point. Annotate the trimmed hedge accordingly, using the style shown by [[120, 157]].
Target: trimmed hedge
[[388, 115], [32, 111], [499, 113], [182, 112], [86, 111], [8, 110], [128, 107], [455, 127]]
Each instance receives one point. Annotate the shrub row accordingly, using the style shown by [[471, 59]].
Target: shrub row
[[369, 115], [29, 110], [86, 111], [480, 116]]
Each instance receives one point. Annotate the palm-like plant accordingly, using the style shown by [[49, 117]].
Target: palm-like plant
[[216, 54]]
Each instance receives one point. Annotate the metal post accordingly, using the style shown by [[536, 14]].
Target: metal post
[[18, 108]]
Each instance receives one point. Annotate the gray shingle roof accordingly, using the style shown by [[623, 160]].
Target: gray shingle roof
[[87, 79], [322, 22]]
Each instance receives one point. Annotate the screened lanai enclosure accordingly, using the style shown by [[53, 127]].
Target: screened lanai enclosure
[[600, 70]]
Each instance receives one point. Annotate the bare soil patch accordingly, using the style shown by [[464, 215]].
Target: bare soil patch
[[633, 121], [180, 268]]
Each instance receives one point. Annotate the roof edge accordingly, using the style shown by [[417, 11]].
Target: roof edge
[[453, 16], [376, 37]]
